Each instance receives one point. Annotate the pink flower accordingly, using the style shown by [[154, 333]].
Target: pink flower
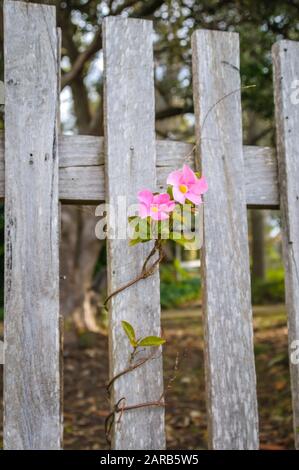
[[156, 206], [186, 185]]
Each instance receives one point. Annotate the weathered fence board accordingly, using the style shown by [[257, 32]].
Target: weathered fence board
[[32, 414], [261, 179], [229, 359], [131, 166], [81, 169], [286, 71]]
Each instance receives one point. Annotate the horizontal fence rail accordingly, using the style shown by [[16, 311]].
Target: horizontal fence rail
[[81, 169]]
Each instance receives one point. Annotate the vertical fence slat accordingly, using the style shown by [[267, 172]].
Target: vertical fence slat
[[32, 408], [286, 75], [229, 358], [130, 167]]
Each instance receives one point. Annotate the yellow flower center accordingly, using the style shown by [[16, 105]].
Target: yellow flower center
[[183, 188], [154, 209]]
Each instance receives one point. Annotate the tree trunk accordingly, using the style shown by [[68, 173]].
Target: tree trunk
[[79, 252], [79, 246], [257, 222]]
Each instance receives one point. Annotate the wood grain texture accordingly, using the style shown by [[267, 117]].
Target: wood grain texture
[[81, 169], [261, 178], [1, 352], [130, 166], [32, 414], [286, 71], [229, 358]]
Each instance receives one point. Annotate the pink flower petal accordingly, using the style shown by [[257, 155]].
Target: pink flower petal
[[189, 175], [195, 198], [155, 215], [201, 186], [163, 198], [178, 196], [175, 177], [163, 216], [145, 196], [170, 206], [143, 210]]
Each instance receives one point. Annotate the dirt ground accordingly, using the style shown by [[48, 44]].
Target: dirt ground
[[86, 370]]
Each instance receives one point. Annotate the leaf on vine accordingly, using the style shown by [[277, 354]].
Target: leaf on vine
[[140, 230], [135, 241], [144, 229], [130, 332], [170, 192], [189, 244], [151, 341], [178, 217]]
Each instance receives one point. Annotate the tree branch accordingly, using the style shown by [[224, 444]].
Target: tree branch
[[96, 126], [171, 112], [82, 58], [79, 91], [262, 134], [147, 9]]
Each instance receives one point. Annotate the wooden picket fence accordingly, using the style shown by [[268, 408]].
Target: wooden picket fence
[[44, 169]]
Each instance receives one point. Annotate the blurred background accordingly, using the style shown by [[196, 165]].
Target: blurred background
[[83, 257]]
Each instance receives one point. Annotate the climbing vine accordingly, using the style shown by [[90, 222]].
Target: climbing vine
[[161, 217]]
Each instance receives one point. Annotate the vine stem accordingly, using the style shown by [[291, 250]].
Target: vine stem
[[129, 369], [145, 272], [121, 409], [158, 243]]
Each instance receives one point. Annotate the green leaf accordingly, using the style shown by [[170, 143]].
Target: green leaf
[[151, 341], [132, 217], [177, 215], [188, 206], [135, 241], [189, 244], [176, 236], [170, 191], [163, 229], [130, 332], [144, 229]]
